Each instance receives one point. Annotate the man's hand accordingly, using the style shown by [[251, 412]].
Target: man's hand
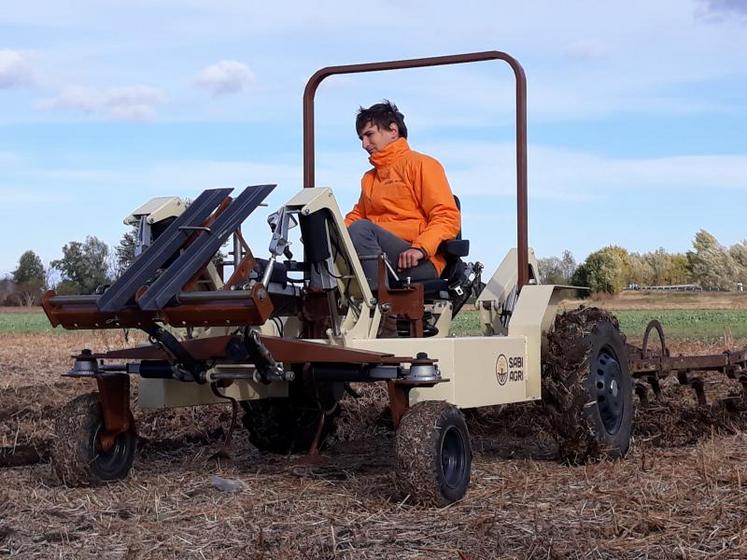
[[410, 258]]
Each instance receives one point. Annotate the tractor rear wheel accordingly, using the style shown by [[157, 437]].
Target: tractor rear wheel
[[77, 458], [433, 453], [587, 386]]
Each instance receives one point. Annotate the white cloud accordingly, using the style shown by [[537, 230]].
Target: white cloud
[[226, 76], [722, 9], [15, 71], [123, 103]]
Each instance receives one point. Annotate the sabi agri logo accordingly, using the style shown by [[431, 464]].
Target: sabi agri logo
[[501, 369]]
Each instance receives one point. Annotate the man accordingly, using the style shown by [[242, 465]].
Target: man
[[406, 208]]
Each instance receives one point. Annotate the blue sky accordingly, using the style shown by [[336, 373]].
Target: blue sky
[[637, 113]]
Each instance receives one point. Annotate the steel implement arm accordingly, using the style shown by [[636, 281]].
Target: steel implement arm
[[521, 127], [194, 257], [119, 293]]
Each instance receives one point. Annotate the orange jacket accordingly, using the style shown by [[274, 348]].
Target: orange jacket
[[407, 194]]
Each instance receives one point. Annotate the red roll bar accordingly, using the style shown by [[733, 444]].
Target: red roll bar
[[521, 127]]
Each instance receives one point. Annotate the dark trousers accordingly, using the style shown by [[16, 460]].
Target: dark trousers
[[371, 240]]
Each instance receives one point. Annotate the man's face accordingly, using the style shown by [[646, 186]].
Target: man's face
[[374, 138]]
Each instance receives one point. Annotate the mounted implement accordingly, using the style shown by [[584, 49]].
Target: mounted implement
[[650, 366]]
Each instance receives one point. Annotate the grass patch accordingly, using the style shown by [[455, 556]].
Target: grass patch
[[25, 322], [467, 323]]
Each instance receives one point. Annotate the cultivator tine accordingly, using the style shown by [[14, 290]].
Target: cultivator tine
[[199, 252], [225, 451], [698, 386], [314, 448], [642, 392], [644, 364], [655, 385], [143, 269]]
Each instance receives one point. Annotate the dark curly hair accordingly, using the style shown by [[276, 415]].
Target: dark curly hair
[[381, 115]]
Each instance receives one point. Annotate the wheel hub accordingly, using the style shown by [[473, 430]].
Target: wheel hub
[[607, 378], [453, 457], [109, 460]]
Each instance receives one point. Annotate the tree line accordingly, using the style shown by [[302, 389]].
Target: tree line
[[85, 267], [88, 266], [709, 265]]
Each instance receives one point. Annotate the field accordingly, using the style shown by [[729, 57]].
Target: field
[[680, 493]]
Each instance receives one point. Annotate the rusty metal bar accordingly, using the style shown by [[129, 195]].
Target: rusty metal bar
[[286, 350], [220, 308], [652, 366], [521, 127], [211, 308], [665, 365], [82, 312]]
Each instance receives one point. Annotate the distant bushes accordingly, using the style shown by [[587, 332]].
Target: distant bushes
[[611, 269]]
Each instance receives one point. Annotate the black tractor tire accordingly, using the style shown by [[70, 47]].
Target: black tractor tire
[[289, 424], [76, 457], [587, 387], [433, 454]]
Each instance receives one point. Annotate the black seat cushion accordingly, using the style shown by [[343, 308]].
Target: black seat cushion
[[454, 248]]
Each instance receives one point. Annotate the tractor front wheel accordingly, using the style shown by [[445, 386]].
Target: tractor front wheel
[[433, 453], [77, 457]]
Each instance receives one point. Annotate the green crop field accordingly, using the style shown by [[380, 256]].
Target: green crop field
[[679, 324], [682, 324], [685, 324]]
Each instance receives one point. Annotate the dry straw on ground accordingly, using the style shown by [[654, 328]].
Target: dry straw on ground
[[681, 493]]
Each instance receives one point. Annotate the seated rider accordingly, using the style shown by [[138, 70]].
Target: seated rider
[[406, 208]]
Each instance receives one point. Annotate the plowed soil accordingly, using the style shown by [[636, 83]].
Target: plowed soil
[[680, 493]]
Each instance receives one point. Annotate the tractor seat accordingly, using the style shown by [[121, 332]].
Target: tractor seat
[[453, 274]]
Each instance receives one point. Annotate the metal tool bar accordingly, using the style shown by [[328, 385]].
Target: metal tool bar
[[171, 281], [161, 250], [214, 295], [75, 299], [664, 365], [254, 308], [81, 312]]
